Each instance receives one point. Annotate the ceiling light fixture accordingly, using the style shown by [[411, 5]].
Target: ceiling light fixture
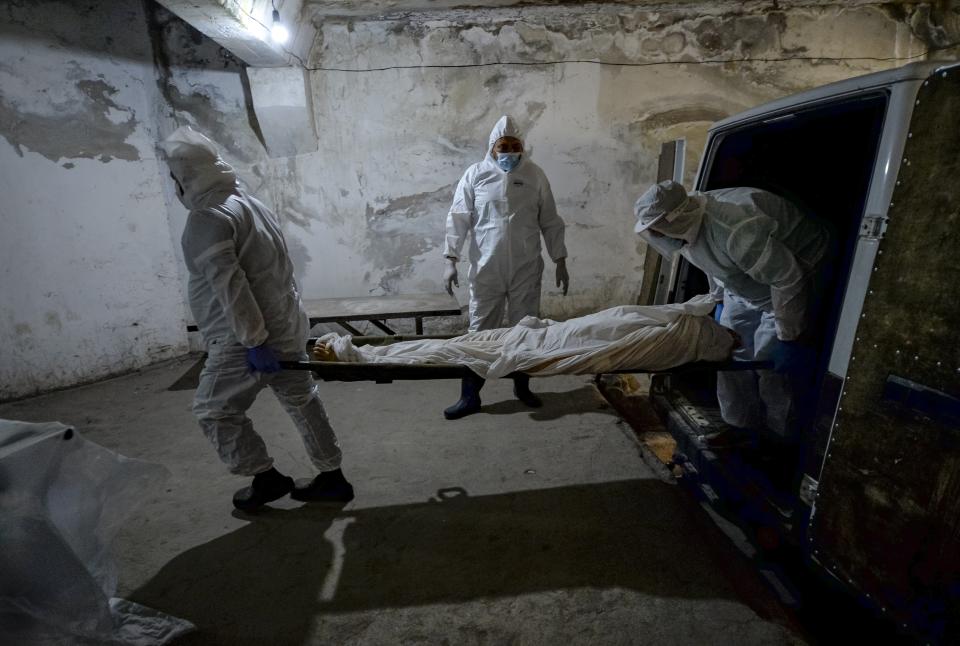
[[278, 32]]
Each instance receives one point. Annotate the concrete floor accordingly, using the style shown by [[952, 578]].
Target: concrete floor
[[509, 527]]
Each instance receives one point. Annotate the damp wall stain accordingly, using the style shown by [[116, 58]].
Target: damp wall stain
[[52, 319], [87, 296], [203, 86], [299, 255], [686, 114], [89, 123], [825, 33], [208, 116], [402, 229]]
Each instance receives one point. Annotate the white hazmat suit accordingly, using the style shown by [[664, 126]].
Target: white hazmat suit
[[764, 253], [242, 294], [504, 213]]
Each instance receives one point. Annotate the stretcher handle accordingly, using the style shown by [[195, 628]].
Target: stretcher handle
[[699, 366], [382, 373]]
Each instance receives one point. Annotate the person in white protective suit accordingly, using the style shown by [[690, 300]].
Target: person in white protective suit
[[504, 205], [245, 301], [765, 258]]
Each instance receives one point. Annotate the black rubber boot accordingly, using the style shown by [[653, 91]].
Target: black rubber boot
[[266, 487], [521, 388], [469, 399], [328, 486], [730, 437]]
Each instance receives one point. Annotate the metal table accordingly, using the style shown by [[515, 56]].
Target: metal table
[[378, 309]]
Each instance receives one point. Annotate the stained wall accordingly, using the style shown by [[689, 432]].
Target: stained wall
[[90, 283], [404, 105]]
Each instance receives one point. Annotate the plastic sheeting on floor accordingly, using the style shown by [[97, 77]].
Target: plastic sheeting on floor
[[648, 337], [62, 501]]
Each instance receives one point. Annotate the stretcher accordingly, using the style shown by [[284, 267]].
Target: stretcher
[[384, 373]]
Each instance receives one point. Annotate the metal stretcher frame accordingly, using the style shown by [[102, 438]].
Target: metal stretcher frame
[[384, 373], [377, 310]]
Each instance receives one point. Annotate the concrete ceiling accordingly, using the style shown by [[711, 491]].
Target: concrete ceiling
[[243, 26], [318, 10], [375, 8]]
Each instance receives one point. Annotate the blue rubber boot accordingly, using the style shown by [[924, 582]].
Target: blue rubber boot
[[521, 388], [469, 399]]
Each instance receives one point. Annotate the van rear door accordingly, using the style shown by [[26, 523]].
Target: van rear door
[[886, 518]]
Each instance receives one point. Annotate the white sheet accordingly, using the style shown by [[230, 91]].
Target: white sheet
[[652, 337]]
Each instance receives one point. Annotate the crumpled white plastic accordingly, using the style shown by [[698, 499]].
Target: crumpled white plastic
[[62, 501], [648, 337]]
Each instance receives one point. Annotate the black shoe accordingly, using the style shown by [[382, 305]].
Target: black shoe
[[521, 388], [266, 487], [469, 399], [730, 437], [328, 486]]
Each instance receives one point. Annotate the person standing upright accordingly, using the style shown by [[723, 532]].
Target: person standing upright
[[504, 205]]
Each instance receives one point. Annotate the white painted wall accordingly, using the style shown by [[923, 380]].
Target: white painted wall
[[90, 281]]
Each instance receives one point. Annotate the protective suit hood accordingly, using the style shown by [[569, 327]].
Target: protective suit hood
[[505, 127], [197, 166], [684, 223], [667, 208]]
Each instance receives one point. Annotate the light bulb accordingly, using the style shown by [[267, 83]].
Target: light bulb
[[278, 32]]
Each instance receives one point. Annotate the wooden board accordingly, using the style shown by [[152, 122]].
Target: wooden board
[[887, 514], [329, 310]]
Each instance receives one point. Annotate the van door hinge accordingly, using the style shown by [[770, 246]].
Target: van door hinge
[[808, 490], [873, 227]]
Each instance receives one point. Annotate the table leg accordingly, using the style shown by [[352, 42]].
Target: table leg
[[419, 326], [349, 328], [382, 326]]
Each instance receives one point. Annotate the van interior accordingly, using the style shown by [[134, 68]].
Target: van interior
[[822, 158]]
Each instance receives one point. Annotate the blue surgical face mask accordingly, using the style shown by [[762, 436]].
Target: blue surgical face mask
[[508, 161]]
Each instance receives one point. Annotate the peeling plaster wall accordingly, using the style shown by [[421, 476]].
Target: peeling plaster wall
[[364, 215], [400, 138], [90, 281], [203, 86]]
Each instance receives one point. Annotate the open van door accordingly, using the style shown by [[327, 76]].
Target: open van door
[[886, 516]]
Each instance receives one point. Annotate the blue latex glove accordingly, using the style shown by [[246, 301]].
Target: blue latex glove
[[717, 311], [262, 359], [793, 356]]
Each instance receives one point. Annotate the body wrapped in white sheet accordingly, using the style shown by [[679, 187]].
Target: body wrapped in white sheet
[[651, 337]]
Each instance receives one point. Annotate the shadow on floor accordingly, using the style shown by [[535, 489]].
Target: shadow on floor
[[555, 405], [266, 582], [191, 378]]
